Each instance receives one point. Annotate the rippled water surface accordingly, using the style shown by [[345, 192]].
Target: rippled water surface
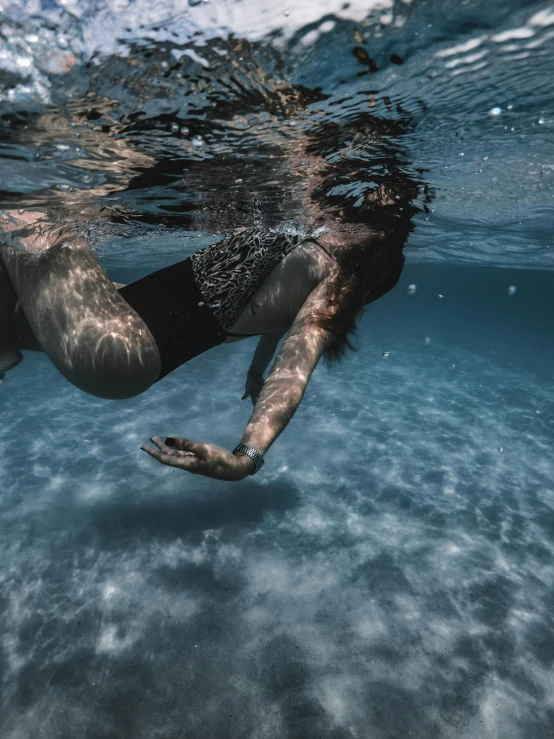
[[390, 572]]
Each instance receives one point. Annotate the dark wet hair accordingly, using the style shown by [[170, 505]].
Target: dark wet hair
[[374, 186], [364, 273]]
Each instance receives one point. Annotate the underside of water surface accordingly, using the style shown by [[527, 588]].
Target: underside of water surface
[[389, 573]]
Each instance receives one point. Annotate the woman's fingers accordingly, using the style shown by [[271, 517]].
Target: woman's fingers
[[206, 459], [176, 446], [164, 455], [247, 388], [183, 445]]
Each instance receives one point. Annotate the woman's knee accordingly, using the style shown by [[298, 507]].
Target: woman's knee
[[114, 365]]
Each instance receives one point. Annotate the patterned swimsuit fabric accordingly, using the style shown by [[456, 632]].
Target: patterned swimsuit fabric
[[190, 306]]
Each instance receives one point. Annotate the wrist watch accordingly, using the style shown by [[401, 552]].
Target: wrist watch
[[254, 455]]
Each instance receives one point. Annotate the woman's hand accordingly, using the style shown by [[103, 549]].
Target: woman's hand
[[200, 459], [253, 386]]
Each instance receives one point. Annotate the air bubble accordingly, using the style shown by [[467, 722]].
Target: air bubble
[[201, 304], [185, 131], [493, 112], [441, 296], [197, 142], [540, 121], [512, 290], [174, 127], [287, 13], [384, 355], [238, 180], [411, 289]]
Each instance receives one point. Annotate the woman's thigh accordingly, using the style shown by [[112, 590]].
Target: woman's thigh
[[8, 300], [80, 321]]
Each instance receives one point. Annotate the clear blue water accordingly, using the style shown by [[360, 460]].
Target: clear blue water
[[390, 572]]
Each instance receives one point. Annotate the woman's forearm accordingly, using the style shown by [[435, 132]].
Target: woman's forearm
[[272, 413], [285, 386]]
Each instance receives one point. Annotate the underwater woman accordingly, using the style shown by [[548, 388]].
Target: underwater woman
[[311, 287]]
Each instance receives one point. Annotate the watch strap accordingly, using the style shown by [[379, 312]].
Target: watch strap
[[254, 455]]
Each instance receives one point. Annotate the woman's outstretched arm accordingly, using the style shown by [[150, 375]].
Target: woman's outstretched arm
[[281, 394], [285, 386]]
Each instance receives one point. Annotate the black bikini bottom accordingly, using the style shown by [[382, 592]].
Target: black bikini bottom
[[171, 305]]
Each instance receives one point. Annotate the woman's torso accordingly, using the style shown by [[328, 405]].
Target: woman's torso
[[256, 283]]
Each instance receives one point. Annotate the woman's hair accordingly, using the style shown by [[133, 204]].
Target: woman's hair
[[374, 186], [365, 272]]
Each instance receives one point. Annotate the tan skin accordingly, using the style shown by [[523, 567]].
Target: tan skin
[[279, 398], [273, 309], [67, 305]]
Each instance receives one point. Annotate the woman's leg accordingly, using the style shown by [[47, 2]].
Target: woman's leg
[[8, 300], [80, 321], [10, 356]]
